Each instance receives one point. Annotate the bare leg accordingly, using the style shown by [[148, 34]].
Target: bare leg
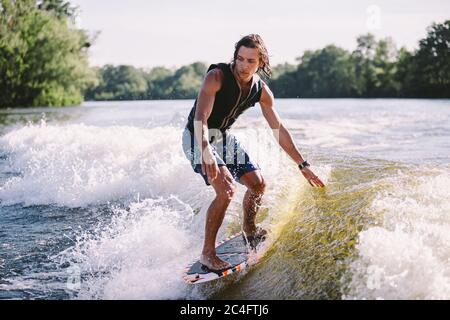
[[252, 200], [224, 187], [251, 205]]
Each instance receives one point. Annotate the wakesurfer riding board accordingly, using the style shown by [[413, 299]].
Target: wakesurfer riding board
[[235, 250]]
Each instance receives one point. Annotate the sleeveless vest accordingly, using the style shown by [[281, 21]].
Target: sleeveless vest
[[229, 103]]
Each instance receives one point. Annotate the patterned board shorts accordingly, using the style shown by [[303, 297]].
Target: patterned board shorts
[[227, 151]]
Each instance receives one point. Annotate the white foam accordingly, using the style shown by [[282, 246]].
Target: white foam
[[141, 252], [139, 255], [78, 165], [408, 256], [145, 248]]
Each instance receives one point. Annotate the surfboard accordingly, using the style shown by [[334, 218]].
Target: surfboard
[[234, 250]]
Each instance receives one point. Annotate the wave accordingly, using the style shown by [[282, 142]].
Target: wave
[[407, 254], [378, 231], [139, 251]]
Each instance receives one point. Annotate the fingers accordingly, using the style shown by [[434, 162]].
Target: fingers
[[209, 166], [208, 173], [321, 183], [317, 182], [312, 179], [212, 171]]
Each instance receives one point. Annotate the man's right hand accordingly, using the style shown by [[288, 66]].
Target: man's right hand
[[209, 164]]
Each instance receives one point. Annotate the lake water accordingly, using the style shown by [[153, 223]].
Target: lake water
[[99, 202]]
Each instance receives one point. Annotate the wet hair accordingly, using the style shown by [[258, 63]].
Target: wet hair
[[254, 41]]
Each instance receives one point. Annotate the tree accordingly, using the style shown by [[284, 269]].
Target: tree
[[119, 83], [376, 66], [364, 70], [374, 69], [285, 85], [187, 80], [405, 73], [159, 83], [127, 82], [281, 69], [326, 73], [433, 62], [43, 58], [385, 68], [60, 8]]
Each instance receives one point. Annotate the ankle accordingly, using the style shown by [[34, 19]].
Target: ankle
[[208, 253], [249, 227]]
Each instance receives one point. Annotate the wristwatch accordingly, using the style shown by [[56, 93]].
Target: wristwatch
[[303, 165]]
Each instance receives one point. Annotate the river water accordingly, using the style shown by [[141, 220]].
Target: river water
[[99, 202]]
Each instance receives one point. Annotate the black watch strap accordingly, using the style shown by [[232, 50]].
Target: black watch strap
[[303, 165]]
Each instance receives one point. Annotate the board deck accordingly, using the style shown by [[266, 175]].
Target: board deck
[[233, 249]]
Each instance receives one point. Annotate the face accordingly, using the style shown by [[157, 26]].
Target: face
[[247, 62]]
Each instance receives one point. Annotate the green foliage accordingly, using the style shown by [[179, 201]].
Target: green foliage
[[119, 83], [428, 71], [281, 69], [159, 83], [43, 62], [328, 72], [43, 59], [129, 83], [187, 81], [60, 8], [375, 69]]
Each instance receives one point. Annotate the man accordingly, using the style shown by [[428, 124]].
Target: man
[[227, 91]]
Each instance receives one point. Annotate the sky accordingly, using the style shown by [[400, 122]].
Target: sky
[[172, 33]]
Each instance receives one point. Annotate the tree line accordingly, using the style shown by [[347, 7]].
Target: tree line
[[44, 62], [126, 82], [375, 69]]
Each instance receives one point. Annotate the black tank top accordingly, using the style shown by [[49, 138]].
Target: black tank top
[[228, 103]]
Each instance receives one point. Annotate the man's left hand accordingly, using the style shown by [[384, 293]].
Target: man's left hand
[[313, 180]]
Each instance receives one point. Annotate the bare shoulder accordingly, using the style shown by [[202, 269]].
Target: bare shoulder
[[267, 98], [213, 80]]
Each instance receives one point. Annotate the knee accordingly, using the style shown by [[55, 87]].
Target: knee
[[258, 187], [227, 192]]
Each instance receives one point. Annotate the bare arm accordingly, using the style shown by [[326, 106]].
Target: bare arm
[[205, 103], [282, 135]]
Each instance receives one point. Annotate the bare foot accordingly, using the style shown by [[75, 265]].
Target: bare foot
[[255, 236], [213, 262], [255, 232]]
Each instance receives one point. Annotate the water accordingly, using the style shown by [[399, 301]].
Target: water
[[99, 202]]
